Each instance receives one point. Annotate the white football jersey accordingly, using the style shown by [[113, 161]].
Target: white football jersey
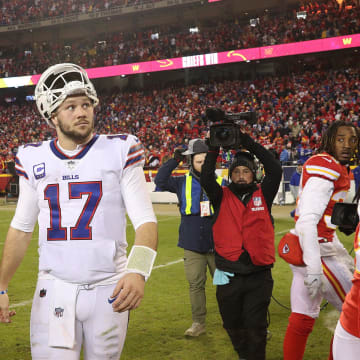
[[82, 222]]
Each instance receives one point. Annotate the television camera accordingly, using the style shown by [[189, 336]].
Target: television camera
[[345, 216], [225, 128]]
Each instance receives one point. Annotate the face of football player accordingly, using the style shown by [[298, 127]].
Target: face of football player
[[242, 175], [346, 143], [74, 121], [198, 161]]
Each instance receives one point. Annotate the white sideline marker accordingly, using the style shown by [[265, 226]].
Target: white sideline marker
[[27, 302], [168, 264], [23, 303]]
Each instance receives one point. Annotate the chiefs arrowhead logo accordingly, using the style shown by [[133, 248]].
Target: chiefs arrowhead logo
[[286, 249]]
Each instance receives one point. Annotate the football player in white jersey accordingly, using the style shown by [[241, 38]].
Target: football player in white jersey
[[79, 187]]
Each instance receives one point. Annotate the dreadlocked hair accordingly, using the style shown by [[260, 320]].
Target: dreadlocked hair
[[328, 144], [328, 138]]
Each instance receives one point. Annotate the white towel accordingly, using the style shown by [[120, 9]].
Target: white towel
[[62, 315]]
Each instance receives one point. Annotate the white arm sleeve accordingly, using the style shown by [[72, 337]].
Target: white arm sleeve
[[313, 201], [27, 209], [136, 196]]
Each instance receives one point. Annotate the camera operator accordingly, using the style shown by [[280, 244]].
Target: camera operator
[[244, 243]]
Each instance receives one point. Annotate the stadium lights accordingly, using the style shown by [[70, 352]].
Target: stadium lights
[[301, 15], [155, 36], [194, 30], [254, 22]]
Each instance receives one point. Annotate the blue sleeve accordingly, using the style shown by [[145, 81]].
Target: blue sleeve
[[292, 180], [164, 181]]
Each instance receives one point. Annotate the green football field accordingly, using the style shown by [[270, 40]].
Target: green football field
[[156, 328]]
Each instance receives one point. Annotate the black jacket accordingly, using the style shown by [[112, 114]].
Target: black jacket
[[269, 186]]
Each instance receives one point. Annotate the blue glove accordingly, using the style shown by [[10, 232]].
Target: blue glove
[[221, 277]]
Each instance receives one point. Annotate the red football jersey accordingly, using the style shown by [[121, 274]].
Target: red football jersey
[[327, 167]]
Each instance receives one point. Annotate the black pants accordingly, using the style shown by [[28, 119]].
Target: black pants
[[243, 305]]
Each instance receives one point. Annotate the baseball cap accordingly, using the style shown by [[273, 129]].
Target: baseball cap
[[196, 146]]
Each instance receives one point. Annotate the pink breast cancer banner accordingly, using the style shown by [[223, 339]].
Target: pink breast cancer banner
[[240, 55]]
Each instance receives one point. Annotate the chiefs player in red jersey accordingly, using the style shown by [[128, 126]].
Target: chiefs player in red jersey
[[327, 271]]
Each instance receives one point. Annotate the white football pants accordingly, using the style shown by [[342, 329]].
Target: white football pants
[[336, 284], [100, 331], [345, 345]]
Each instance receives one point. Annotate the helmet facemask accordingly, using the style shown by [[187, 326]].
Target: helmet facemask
[[57, 83]]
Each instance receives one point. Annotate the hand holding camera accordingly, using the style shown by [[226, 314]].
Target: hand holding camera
[[245, 140], [208, 144]]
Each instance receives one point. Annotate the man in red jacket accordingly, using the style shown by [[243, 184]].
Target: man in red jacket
[[244, 244]]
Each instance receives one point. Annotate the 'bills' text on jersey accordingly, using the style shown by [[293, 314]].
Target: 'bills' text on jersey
[[81, 211]]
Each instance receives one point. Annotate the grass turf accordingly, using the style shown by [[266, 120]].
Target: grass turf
[[156, 328]]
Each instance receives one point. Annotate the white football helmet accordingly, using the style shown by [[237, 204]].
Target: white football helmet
[[57, 83]]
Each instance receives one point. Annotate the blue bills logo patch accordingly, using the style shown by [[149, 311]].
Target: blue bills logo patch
[[39, 171], [59, 312], [257, 201]]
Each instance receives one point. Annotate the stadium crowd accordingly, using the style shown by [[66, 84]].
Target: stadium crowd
[[292, 112], [25, 11], [324, 19]]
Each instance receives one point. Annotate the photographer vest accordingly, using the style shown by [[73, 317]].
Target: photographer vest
[[240, 227], [192, 194]]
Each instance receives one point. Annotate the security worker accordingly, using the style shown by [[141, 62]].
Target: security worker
[[244, 244], [195, 235]]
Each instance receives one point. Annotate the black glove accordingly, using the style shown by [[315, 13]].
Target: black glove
[[178, 156], [246, 140], [211, 148]]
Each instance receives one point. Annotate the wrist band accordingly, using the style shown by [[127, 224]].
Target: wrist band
[[3, 292], [141, 260]]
